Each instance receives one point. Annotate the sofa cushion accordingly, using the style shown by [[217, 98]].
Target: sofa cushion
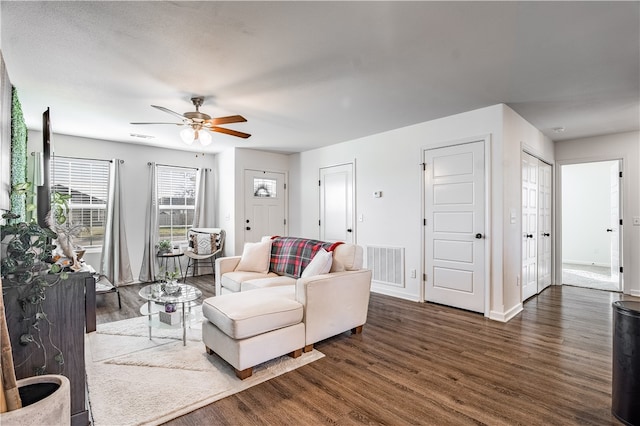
[[255, 257], [320, 264], [233, 280], [274, 281], [243, 315], [350, 255], [290, 256]]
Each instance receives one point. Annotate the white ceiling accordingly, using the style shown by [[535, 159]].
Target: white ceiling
[[309, 74]]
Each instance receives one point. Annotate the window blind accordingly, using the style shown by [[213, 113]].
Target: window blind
[[176, 201], [87, 182]]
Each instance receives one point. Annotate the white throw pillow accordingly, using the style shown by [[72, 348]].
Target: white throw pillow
[[320, 264], [255, 257]]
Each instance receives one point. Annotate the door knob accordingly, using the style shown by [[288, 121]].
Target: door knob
[[609, 230], [349, 230], [546, 234], [248, 228], [529, 235], [478, 235]]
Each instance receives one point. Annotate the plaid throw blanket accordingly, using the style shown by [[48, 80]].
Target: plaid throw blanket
[[289, 255]]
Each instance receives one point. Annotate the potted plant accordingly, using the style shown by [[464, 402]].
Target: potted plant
[[163, 246], [28, 272], [43, 398], [170, 279]]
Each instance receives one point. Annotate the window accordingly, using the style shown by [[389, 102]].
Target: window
[[176, 202], [87, 181], [264, 187]]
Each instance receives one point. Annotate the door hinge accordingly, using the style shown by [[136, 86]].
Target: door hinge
[[319, 182], [285, 186], [620, 174], [424, 222], [620, 221], [318, 222], [621, 270], [424, 277], [285, 221]]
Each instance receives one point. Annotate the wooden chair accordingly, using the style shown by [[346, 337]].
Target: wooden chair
[[205, 245]]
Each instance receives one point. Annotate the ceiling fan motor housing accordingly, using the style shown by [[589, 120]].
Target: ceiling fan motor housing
[[197, 115]]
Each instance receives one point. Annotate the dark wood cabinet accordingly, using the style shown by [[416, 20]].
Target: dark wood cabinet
[[65, 308]]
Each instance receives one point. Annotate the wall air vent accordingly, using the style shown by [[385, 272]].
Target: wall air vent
[[386, 264]]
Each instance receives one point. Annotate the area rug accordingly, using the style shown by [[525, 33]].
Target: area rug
[[134, 380]]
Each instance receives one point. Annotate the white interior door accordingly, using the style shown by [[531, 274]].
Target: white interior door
[[615, 222], [544, 225], [336, 203], [455, 226], [265, 203], [529, 226]]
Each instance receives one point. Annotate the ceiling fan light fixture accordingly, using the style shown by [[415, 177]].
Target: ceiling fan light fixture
[[187, 135], [204, 137]]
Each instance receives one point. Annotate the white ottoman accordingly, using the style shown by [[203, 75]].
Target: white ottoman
[[248, 328]]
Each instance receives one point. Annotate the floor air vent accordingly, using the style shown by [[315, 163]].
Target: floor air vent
[[386, 264]]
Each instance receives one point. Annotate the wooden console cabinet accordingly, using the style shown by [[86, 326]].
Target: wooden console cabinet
[[65, 308]]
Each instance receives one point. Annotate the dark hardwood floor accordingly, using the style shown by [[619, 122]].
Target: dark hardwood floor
[[428, 364]]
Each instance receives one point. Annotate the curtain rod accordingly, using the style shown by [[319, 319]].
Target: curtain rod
[[170, 165], [81, 158]]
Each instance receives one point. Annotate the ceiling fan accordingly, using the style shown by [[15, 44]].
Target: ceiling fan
[[197, 121]]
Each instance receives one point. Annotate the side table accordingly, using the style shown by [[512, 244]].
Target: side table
[[164, 261]]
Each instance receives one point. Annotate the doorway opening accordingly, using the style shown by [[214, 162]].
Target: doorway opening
[[591, 237]]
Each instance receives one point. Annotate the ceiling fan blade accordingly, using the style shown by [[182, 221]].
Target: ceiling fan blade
[[182, 117], [230, 132], [226, 120], [175, 124]]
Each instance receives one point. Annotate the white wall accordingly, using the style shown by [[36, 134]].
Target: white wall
[[134, 173], [233, 163], [586, 213], [519, 136], [391, 162], [625, 146]]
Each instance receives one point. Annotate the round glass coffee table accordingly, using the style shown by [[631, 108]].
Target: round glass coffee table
[[157, 299]]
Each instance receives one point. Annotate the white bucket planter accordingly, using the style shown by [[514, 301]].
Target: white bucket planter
[[54, 409]]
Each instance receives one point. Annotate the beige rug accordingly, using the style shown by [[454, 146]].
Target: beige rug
[[133, 380]]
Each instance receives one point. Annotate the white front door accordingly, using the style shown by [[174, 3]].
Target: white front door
[[529, 226], [336, 203], [265, 202], [455, 226], [544, 225], [615, 222]]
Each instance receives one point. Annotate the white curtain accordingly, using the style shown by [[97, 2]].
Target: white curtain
[[115, 264], [148, 269], [203, 216]]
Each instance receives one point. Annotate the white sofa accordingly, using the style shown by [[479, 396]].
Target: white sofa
[[257, 316]]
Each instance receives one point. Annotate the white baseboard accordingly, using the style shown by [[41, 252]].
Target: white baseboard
[[582, 262], [506, 316], [635, 293], [393, 293]]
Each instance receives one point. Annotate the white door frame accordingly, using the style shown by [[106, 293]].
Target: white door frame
[[242, 224], [487, 217], [558, 213], [529, 151]]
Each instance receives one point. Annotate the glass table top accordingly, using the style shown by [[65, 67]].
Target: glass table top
[[154, 292]]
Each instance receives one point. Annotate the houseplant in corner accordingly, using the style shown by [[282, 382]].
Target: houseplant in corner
[[28, 273], [45, 398]]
